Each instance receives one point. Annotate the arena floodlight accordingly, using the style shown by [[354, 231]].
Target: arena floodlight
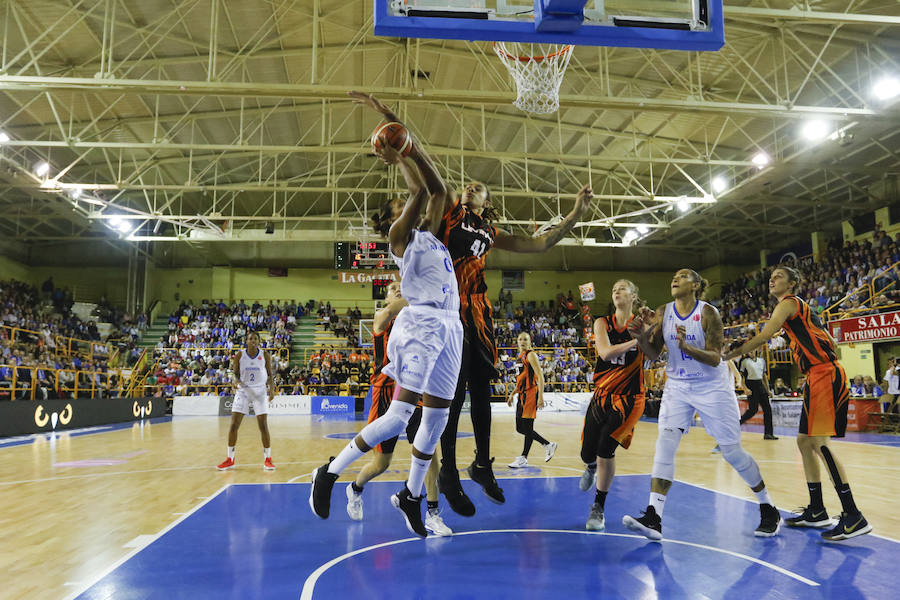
[[642, 229], [3, 137], [886, 88], [815, 130], [719, 184], [76, 193], [684, 205], [41, 169], [630, 236], [760, 159]]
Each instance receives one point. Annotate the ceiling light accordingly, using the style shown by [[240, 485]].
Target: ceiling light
[[115, 222], [630, 236], [3, 137], [642, 229], [124, 226], [76, 193], [41, 169], [684, 205], [761, 159], [719, 184], [886, 88], [815, 130]]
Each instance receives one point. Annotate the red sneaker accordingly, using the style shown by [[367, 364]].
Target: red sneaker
[[268, 465], [228, 464]]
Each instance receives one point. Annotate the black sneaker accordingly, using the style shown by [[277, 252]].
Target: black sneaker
[[649, 525], [811, 517], [484, 476], [451, 488], [411, 508], [769, 436], [848, 527], [769, 521], [320, 490]]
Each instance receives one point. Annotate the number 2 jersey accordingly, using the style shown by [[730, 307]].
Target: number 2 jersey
[[624, 374], [253, 370]]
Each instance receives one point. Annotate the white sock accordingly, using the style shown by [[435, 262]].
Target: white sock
[[267, 452], [763, 496], [343, 460], [231, 452], [417, 470], [657, 501]]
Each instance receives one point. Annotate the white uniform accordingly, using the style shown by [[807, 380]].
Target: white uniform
[[425, 347], [693, 386], [252, 390]]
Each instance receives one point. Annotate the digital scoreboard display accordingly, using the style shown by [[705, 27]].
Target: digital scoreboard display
[[350, 256], [379, 287]]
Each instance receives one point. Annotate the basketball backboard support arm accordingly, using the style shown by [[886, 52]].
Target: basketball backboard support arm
[[394, 18]]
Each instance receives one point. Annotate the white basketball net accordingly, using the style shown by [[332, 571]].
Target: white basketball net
[[538, 71]]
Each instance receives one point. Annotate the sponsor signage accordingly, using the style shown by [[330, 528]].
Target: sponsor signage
[[866, 328], [280, 405], [24, 417], [331, 405], [366, 276]]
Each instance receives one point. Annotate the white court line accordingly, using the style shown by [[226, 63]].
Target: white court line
[[153, 538], [140, 541], [310, 583], [703, 487]]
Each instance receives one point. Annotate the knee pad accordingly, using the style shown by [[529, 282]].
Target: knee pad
[[430, 429], [664, 459], [742, 462], [391, 423]]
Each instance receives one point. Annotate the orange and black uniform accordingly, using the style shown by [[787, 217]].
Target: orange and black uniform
[[526, 403], [618, 400], [383, 393], [825, 396], [469, 238]]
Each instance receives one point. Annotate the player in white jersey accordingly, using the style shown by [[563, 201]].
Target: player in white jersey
[[697, 379], [254, 386], [425, 346]]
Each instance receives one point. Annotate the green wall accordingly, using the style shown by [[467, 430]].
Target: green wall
[[13, 269]]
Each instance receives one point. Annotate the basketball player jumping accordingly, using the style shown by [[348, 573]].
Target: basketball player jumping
[[382, 393], [424, 349], [255, 386], [618, 400], [825, 400], [468, 234], [697, 379], [529, 398]]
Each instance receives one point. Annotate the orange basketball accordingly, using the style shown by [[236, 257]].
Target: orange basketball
[[392, 134]]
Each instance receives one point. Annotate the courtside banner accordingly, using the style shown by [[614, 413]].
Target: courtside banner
[[866, 328], [333, 405], [211, 405], [553, 402], [23, 417]]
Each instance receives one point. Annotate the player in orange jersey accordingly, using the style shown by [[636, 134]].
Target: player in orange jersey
[[530, 397], [825, 399], [618, 400]]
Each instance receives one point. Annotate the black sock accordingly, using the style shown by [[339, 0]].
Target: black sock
[[355, 487], [592, 467], [600, 498], [432, 505], [815, 495], [846, 497]]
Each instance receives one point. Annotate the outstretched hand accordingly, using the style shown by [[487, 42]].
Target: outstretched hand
[[584, 196], [387, 154], [372, 102]]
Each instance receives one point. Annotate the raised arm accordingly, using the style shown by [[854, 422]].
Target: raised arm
[[387, 313], [782, 313], [541, 243], [713, 331], [646, 329], [605, 350], [406, 222]]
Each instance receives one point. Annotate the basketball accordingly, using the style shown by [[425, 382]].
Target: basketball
[[392, 134]]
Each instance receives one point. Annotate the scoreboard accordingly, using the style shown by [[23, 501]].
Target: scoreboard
[[362, 255]]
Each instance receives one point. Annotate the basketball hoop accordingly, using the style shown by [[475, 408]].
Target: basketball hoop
[[538, 71]]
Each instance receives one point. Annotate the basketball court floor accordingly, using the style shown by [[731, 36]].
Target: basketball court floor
[[141, 512]]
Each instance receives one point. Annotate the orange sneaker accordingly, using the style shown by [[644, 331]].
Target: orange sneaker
[[268, 465], [227, 464]]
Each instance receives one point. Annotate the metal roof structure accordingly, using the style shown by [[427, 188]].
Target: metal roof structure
[[175, 127]]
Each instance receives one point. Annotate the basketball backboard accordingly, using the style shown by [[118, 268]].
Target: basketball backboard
[[671, 24]]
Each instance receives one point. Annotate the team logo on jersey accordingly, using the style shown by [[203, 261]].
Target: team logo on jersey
[[696, 317], [41, 418]]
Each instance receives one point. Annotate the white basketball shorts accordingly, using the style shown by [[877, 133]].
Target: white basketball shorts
[[715, 401], [425, 351], [247, 396]]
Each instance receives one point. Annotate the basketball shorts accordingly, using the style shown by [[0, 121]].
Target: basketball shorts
[[477, 316], [247, 397], [614, 416], [425, 351], [825, 401], [715, 401], [526, 404]]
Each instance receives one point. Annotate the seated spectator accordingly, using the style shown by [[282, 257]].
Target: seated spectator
[[857, 387], [780, 388], [871, 389]]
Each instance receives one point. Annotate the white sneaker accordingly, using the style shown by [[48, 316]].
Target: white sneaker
[[435, 524], [549, 451], [520, 461], [354, 504]]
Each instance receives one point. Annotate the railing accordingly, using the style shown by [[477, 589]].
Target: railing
[[63, 345], [137, 374], [321, 389], [284, 351], [67, 383], [834, 311]]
